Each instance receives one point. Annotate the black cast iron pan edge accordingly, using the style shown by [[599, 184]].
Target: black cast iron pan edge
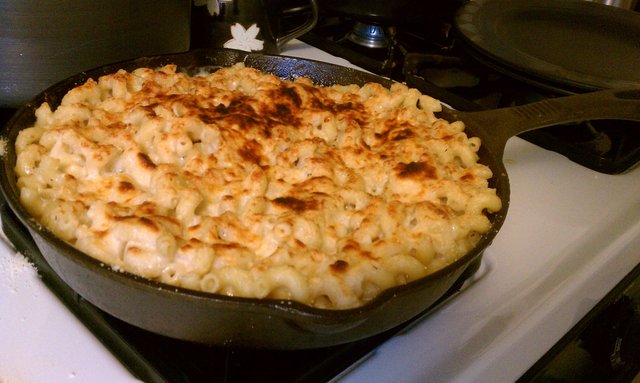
[[217, 319]]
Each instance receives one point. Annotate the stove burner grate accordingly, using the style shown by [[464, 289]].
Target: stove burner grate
[[369, 35]]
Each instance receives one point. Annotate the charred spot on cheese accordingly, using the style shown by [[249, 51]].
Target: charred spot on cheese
[[467, 177], [118, 125], [147, 208], [367, 254], [133, 250], [192, 243], [440, 210], [239, 104], [296, 243], [316, 99], [339, 266], [393, 133], [287, 95], [402, 134], [353, 248], [207, 116], [238, 111], [416, 170], [145, 161], [227, 246], [283, 106], [149, 224], [353, 109], [251, 152], [125, 187], [447, 137], [282, 111], [348, 106], [295, 204]]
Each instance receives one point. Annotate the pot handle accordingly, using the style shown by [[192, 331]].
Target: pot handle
[[498, 125], [302, 29]]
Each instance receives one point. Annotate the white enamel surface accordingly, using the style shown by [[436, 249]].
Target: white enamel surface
[[40, 340], [571, 234]]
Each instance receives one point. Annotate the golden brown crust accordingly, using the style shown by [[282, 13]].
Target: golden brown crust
[[240, 183]]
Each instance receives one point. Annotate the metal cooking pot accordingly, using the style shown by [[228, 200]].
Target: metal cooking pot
[[45, 41], [219, 319]]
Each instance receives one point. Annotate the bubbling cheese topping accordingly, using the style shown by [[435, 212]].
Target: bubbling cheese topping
[[237, 182]]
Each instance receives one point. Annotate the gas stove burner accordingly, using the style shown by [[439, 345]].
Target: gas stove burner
[[369, 35]]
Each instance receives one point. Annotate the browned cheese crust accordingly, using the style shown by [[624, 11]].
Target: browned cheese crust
[[237, 182]]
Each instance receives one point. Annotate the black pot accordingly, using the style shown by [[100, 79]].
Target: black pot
[[43, 41]]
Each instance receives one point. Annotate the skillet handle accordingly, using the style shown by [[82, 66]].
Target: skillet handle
[[499, 125]]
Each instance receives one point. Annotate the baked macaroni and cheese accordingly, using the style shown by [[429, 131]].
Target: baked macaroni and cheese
[[237, 182]]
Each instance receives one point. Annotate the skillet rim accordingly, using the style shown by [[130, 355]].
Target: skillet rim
[[287, 308]]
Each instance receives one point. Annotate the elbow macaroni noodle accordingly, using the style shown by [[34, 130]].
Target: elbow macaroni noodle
[[237, 182]]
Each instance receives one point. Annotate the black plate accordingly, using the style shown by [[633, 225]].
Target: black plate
[[576, 44]]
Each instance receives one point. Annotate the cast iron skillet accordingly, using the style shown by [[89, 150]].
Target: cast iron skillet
[[222, 320]]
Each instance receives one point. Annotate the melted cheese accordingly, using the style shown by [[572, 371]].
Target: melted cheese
[[240, 183]]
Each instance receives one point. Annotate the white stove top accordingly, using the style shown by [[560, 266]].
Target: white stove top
[[570, 236]]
